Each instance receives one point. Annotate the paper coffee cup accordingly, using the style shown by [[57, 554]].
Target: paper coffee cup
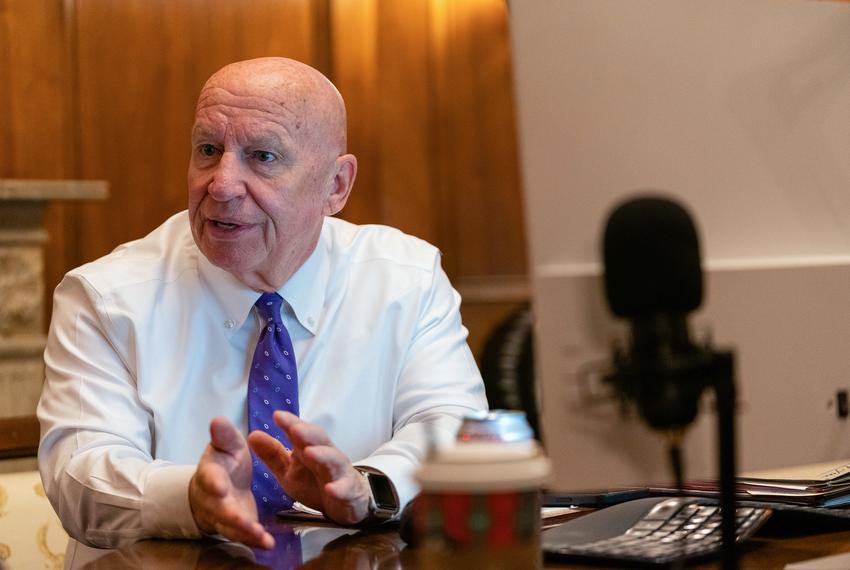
[[480, 504]]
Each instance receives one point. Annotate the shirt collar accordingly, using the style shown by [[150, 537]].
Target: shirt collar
[[304, 292], [234, 298]]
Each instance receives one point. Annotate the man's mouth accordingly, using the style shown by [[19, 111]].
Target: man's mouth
[[224, 225]]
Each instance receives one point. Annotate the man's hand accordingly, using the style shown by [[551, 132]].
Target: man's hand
[[220, 490], [314, 472]]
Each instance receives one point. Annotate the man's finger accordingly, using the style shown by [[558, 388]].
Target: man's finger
[[253, 534], [301, 433], [231, 521], [270, 450], [224, 436]]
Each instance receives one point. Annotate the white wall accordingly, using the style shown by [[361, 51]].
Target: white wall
[[740, 107]]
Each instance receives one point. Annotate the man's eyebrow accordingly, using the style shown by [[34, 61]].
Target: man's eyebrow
[[265, 139], [202, 133]]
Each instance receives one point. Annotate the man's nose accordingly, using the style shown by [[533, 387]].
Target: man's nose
[[228, 181]]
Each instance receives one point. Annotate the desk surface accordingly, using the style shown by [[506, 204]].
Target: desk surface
[[318, 546]]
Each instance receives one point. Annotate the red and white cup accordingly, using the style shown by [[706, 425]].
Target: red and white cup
[[480, 500]]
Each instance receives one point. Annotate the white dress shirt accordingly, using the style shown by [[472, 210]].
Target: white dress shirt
[[150, 342]]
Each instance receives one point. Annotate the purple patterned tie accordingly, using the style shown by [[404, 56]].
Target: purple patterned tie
[[286, 553], [272, 385]]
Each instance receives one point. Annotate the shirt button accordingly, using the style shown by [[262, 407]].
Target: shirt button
[[311, 320], [228, 324]]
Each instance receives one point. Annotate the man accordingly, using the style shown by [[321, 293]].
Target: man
[[155, 349]]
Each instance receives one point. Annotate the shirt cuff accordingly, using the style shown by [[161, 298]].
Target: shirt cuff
[[165, 504]]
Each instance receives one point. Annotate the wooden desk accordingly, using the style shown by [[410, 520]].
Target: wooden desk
[[769, 553], [329, 547]]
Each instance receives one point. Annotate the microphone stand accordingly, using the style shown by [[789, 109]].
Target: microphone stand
[[724, 391], [717, 371], [667, 388]]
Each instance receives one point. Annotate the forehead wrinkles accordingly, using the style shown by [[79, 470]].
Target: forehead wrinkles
[[291, 115], [278, 111]]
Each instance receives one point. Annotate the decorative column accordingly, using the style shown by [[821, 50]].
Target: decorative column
[[22, 237]]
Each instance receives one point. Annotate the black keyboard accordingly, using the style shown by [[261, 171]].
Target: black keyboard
[[651, 531]]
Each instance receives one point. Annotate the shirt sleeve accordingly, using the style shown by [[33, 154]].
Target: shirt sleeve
[[439, 385], [95, 454]]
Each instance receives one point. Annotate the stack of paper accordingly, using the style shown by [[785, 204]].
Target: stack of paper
[[817, 485]]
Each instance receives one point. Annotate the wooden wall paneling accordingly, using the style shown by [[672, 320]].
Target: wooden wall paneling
[[381, 64], [445, 163], [141, 65], [320, 36], [478, 165], [499, 159], [354, 70], [477, 181], [130, 65], [6, 78], [35, 81], [428, 88], [404, 129]]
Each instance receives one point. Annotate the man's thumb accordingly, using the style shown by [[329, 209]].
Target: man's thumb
[[224, 436]]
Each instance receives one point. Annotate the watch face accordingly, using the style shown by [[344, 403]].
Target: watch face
[[384, 497], [382, 492]]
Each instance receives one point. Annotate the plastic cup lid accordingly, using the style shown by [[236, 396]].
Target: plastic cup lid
[[482, 467]]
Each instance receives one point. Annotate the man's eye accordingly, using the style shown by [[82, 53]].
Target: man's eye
[[207, 149], [264, 155]]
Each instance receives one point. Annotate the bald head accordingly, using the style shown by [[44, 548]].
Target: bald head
[[268, 165], [295, 88]]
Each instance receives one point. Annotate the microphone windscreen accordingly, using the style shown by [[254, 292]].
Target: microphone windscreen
[[652, 259]]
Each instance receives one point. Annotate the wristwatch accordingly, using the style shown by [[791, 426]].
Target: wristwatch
[[383, 504]]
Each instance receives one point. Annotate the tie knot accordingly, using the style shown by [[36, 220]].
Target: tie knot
[[268, 305]]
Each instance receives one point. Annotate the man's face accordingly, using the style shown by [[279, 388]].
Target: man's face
[[259, 180]]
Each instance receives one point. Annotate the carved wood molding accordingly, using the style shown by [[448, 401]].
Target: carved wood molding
[[15, 189]]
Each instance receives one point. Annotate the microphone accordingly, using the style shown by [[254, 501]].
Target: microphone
[[653, 279]]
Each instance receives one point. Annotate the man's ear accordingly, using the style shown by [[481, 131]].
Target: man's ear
[[343, 181]]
